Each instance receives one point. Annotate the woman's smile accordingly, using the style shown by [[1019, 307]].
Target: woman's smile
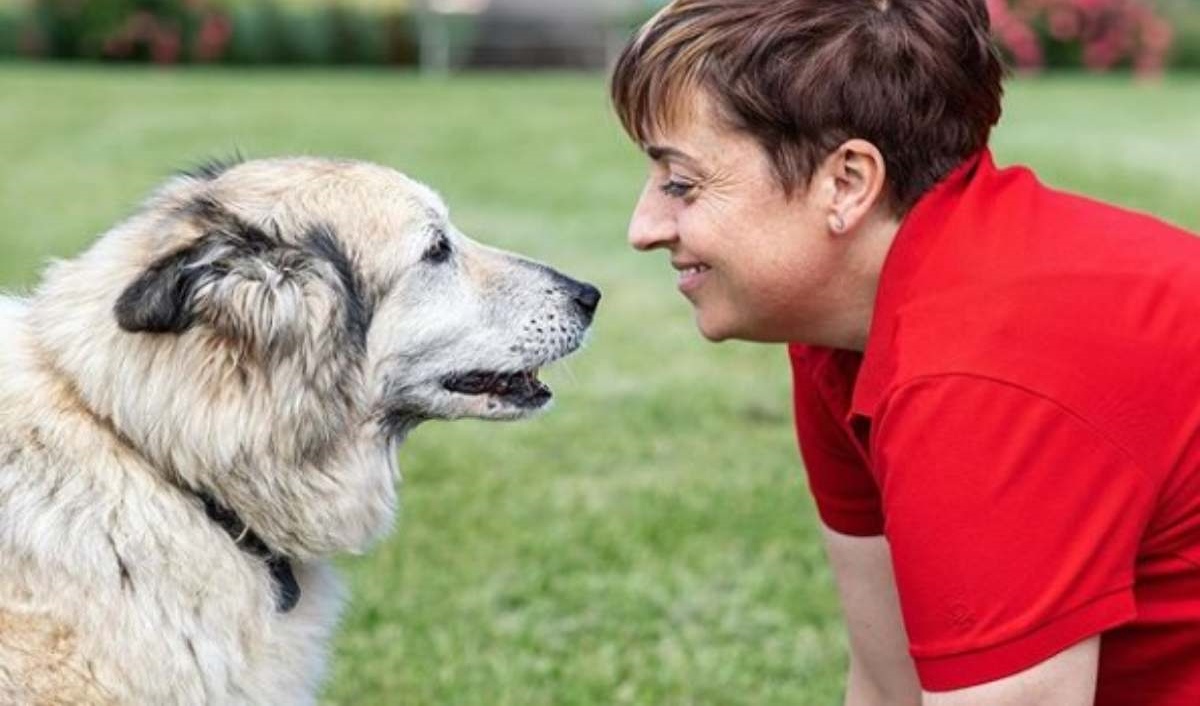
[[691, 275]]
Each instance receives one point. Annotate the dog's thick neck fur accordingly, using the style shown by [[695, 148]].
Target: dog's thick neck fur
[[286, 587], [333, 472], [118, 589]]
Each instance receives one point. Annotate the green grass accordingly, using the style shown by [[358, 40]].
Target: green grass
[[648, 542]]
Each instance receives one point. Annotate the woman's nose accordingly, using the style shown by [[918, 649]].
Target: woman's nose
[[652, 225]]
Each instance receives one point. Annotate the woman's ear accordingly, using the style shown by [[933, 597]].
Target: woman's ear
[[858, 175]]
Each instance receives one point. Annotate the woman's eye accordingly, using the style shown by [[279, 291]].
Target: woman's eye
[[440, 251], [677, 189]]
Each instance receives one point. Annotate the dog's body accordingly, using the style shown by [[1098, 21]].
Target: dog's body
[[202, 409], [116, 589]]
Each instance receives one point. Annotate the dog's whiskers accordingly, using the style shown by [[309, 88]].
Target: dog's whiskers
[[565, 366]]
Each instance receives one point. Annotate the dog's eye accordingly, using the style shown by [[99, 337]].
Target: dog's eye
[[440, 251]]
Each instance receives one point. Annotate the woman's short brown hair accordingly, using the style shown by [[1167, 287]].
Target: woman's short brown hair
[[919, 79]]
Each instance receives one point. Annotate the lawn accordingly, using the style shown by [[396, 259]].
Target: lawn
[[650, 541]]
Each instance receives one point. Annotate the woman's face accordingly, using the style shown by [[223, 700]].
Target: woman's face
[[755, 264]]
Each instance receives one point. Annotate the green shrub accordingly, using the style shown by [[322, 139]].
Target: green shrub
[[10, 33], [1185, 20], [252, 32], [303, 38], [165, 31], [260, 33], [401, 45], [354, 36], [265, 32]]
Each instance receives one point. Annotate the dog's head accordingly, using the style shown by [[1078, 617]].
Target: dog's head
[[274, 314], [352, 262]]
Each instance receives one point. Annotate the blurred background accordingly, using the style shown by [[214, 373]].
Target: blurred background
[[649, 541], [1147, 36]]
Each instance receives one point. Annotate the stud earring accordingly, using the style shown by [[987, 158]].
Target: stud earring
[[839, 223]]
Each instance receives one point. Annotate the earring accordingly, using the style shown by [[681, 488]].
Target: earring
[[839, 223]]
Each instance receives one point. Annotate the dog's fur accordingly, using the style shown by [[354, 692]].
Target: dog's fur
[[263, 334]]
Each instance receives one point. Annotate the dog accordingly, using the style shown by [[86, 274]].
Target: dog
[[202, 409]]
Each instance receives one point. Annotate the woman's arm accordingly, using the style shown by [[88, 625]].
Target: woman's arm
[[881, 672]]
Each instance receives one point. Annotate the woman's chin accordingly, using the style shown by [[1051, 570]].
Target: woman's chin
[[720, 326], [714, 328]]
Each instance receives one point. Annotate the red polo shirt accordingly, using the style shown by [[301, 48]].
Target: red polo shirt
[[1024, 427]]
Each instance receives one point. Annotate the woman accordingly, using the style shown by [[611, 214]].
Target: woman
[[997, 385]]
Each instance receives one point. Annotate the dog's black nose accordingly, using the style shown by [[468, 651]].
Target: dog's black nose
[[587, 297], [583, 295]]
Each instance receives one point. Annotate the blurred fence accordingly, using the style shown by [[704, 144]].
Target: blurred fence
[[1143, 35]]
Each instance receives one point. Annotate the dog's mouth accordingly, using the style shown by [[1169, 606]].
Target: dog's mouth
[[521, 389]]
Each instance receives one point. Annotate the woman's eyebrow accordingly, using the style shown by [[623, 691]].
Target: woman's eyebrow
[[662, 153]]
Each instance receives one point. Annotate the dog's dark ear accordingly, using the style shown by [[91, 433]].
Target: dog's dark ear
[[160, 299], [273, 295], [251, 286]]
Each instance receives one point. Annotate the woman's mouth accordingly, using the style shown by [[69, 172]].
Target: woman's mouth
[[691, 277]]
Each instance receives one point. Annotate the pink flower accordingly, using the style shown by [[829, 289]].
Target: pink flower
[[117, 46], [1065, 24], [213, 37], [166, 46], [1110, 31]]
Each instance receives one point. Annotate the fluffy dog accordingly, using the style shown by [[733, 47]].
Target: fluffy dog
[[204, 407]]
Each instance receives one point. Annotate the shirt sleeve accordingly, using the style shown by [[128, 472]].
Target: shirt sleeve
[[839, 478], [1014, 526]]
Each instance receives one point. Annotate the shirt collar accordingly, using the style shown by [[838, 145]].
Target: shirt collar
[[898, 280]]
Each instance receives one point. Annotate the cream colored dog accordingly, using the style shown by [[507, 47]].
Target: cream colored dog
[[204, 407]]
